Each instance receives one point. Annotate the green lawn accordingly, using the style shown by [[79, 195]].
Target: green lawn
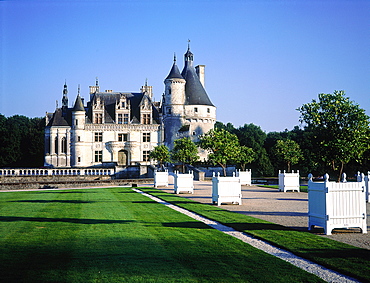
[[117, 235], [335, 255]]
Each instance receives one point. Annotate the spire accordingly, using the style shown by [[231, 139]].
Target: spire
[[65, 97], [188, 56], [79, 106], [175, 72]]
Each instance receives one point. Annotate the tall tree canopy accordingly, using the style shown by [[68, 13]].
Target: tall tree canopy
[[222, 145], [340, 128], [184, 151], [160, 153], [288, 151]]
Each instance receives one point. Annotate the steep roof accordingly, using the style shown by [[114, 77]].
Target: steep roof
[[79, 106], [175, 72], [194, 90]]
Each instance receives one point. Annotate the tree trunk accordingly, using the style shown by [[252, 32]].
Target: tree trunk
[[224, 169], [288, 167], [340, 171]]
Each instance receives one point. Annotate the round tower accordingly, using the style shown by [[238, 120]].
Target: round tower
[[78, 129], [173, 104]]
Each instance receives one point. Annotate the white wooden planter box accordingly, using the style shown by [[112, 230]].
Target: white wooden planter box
[[362, 177], [289, 181], [336, 205], [160, 179], [226, 189], [184, 183], [245, 177]]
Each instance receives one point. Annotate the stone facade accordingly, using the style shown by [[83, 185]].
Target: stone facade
[[121, 128]]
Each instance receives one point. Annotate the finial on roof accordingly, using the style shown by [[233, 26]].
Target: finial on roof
[[188, 44], [146, 82], [96, 81], [174, 57], [78, 92]]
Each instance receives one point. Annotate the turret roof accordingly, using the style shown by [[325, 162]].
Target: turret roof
[[175, 72], [79, 106]]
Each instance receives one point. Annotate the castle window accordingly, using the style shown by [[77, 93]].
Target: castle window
[[78, 138], [196, 109], [98, 156], [120, 119], [145, 119], [208, 110], [146, 154], [122, 137], [98, 137], [146, 137], [98, 118], [79, 159], [123, 105], [168, 110], [125, 118], [56, 145], [76, 122], [64, 145], [194, 133]]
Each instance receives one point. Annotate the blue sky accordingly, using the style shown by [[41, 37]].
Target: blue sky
[[263, 59]]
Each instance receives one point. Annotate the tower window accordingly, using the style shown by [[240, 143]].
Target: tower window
[[196, 109], [208, 110], [64, 145]]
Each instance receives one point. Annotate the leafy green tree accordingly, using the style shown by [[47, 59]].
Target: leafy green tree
[[160, 153], [223, 147], [245, 157], [340, 128], [288, 151], [184, 151]]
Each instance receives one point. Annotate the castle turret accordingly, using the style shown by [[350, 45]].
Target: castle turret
[[78, 127], [173, 106]]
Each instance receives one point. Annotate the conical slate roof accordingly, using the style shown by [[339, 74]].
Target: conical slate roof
[[194, 90], [79, 106], [174, 73]]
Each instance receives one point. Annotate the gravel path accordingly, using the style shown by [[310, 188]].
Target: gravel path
[[320, 271]]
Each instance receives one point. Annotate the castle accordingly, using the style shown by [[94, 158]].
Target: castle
[[121, 128]]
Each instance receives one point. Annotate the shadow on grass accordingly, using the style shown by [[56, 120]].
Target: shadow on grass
[[188, 224], [275, 213], [67, 220], [53, 201]]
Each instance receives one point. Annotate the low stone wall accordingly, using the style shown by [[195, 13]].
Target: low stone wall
[[49, 182]]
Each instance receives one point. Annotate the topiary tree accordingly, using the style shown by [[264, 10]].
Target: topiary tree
[[288, 151], [160, 153], [245, 157], [184, 151]]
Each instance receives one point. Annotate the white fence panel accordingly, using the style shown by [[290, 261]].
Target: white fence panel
[[336, 205], [184, 182], [245, 177], [161, 179], [362, 177], [289, 181], [226, 189]]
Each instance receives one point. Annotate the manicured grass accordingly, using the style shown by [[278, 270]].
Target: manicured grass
[[117, 235], [303, 189], [335, 255]]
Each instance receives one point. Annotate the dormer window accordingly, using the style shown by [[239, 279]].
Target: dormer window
[[145, 119], [123, 104], [98, 119]]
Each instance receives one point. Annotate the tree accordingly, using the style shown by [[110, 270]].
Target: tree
[[340, 128], [288, 151], [223, 147], [245, 157], [160, 153], [185, 151]]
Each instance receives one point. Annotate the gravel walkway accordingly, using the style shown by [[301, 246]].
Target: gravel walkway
[[288, 209]]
